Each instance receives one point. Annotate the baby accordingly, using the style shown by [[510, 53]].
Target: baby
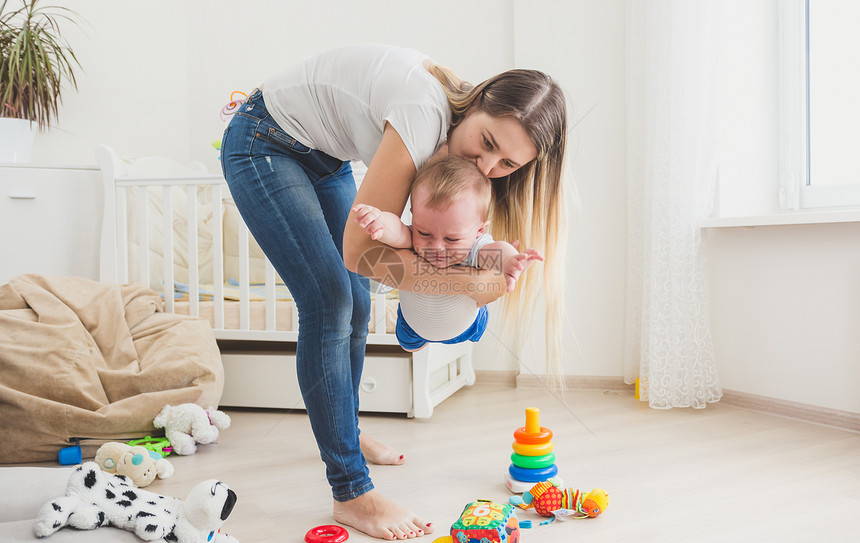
[[450, 211]]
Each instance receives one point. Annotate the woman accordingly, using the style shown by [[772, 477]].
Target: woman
[[286, 158]]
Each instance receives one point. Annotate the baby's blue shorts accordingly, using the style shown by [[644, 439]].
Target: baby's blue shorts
[[411, 341]]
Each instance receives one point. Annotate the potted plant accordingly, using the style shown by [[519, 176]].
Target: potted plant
[[35, 63]]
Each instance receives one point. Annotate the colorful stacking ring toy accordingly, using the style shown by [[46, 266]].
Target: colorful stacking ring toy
[[533, 475], [544, 435], [531, 449], [326, 534], [533, 462]]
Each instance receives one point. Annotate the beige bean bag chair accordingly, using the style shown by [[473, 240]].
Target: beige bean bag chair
[[83, 359]]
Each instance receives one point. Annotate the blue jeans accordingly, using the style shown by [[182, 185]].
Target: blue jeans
[[295, 201]]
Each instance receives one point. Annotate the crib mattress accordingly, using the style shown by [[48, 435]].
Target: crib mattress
[[284, 314]]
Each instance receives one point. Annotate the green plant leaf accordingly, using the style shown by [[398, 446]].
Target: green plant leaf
[[35, 61]]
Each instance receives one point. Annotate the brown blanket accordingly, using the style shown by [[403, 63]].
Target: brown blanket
[[85, 359]]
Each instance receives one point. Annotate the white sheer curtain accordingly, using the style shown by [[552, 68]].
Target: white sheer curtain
[[673, 72]]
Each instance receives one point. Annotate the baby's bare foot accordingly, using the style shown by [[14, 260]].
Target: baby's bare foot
[[377, 516], [377, 453]]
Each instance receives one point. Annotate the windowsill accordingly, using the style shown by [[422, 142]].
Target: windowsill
[[787, 218]]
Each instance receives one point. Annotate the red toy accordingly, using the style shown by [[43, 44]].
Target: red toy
[[327, 534]]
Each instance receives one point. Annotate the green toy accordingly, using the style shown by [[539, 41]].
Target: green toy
[[160, 445]]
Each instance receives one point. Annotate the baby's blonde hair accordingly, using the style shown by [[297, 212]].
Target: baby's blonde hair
[[449, 178]]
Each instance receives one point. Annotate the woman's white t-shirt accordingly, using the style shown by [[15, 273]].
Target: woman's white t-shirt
[[339, 100]]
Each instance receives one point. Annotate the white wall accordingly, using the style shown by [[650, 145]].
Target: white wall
[[749, 125], [581, 44], [157, 73], [132, 87], [785, 300], [785, 307], [591, 65]]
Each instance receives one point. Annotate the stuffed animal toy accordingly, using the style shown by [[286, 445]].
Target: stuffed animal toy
[[187, 424], [139, 464], [486, 522], [95, 498], [547, 497]]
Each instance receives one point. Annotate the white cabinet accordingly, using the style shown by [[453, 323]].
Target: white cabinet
[[50, 219], [268, 379]]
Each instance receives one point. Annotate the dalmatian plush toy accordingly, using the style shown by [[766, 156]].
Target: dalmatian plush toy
[[95, 498]]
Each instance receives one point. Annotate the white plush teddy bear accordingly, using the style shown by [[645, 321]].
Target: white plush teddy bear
[[188, 423], [96, 498], [137, 463]]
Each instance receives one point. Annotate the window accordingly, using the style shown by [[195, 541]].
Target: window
[[819, 109]]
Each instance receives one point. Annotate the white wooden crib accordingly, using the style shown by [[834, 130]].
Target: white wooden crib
[[209, 266]]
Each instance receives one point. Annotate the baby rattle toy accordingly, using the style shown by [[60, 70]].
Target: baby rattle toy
[[549, 499], [237, 98], [533, 459]]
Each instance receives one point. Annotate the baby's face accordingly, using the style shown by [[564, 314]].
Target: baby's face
[[444, 237]]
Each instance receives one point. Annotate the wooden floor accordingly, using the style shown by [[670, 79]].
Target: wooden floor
[[718, 474]]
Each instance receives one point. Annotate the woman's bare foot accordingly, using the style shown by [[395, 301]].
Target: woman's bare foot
[[377, 453], [377, 516]]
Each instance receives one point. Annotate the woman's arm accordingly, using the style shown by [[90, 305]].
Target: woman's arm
[[386, 187]]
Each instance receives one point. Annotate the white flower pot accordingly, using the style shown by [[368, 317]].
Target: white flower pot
[[16, 139]]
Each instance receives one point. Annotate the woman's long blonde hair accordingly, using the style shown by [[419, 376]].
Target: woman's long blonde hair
[[529, 204]]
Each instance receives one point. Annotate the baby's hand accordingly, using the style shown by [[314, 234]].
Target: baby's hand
[[368, 217], [517, 264]]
